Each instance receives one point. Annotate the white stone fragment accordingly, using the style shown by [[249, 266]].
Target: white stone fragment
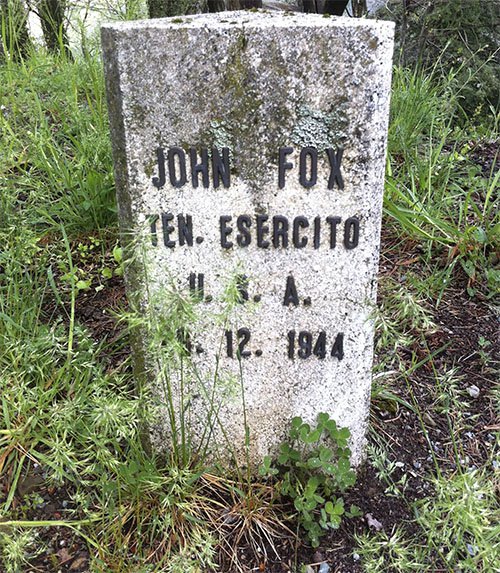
[[473, 391]]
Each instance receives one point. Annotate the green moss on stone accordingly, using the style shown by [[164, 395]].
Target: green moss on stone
[[315, 128], [149, 168], [237, 127], [138, 113]]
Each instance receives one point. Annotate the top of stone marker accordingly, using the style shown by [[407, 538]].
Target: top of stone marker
[[251, 20]]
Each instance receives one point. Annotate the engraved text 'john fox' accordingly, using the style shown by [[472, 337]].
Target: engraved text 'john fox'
[[217, 165]]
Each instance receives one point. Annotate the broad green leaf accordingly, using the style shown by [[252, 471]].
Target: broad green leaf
[[344, 433], [118, 254], [331, 426], [304, 432], [314, 463], [106, 272], [330, 468], [312, 485], [310, 504], [338, 508], [325, 454], [312, 436], [322, 418], [283, 459], [335, 521], [83, 285]]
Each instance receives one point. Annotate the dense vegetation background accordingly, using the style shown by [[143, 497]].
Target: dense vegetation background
[[78, 489]]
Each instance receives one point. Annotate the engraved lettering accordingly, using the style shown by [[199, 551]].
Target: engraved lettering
[[225, 231], [243, 335], [160, 180], [317, 230], [197, 285], [338, 347], [280, 231], [308, 346], [201, 167], [291, 295], [334, 221], [305, 344], [174, 152], [167, 229], [262, 230], [185, 229], [283, 165], [243, 224], [335, 158], [299, 223], [351, 233], [221, 168], [305, 180]]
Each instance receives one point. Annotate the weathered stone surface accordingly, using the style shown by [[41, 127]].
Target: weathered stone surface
[[255, 83]]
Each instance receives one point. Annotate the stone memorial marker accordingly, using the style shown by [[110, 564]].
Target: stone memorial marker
[[249, 150]]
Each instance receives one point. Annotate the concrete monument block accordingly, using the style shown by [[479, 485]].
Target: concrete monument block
[[249, 154]]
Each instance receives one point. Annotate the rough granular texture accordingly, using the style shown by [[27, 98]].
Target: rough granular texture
[[249, 84]]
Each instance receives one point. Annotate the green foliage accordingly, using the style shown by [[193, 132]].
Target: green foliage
[[400, 315], [459, 530], [314, 467], [80, 419], [15, 545], [69, 415], [55, 162], [15, 43], [158, 509], [61, 409], [459, 35], [435, 191], [94, 265]]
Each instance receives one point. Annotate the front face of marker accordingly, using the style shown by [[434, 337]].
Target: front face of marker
[[254, 174]]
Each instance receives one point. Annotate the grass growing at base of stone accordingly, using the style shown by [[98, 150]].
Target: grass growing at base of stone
[[459, 524], [61, 411], [313, 470], [442, 223], [64, 411]]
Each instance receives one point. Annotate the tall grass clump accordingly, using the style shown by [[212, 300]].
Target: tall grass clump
[[56, 165], [459, 35], [434, 190], [60, 408]]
